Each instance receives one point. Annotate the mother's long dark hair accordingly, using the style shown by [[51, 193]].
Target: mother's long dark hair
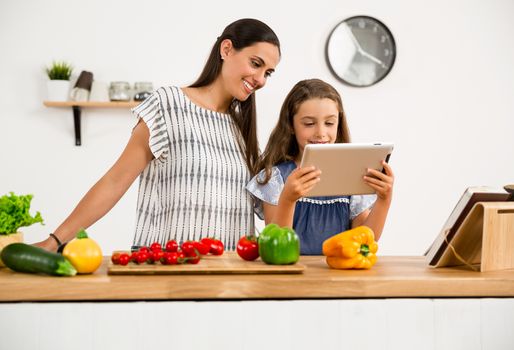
[[242, 33]]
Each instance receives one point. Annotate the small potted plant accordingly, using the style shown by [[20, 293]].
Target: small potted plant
[[14, 213], [58, 86]]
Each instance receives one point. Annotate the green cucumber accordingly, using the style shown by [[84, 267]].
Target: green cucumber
[[23, 257]]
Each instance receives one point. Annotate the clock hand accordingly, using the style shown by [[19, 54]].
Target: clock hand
[[354, 39], [360, 50], [373, 58]]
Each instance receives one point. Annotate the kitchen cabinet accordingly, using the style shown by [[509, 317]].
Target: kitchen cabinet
[[398, 304]]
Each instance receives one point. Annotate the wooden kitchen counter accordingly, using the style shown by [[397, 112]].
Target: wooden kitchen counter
[[405, 277]]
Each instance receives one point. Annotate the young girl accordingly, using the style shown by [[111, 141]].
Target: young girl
[[313, 113], [195, 148]]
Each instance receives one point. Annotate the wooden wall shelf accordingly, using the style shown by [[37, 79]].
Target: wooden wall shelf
[[91, 104], [77, 110]]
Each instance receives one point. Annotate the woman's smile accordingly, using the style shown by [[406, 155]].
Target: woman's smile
[[249, 88]]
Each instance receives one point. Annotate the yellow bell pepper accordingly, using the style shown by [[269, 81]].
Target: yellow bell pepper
[[83, 253], [352, 249]]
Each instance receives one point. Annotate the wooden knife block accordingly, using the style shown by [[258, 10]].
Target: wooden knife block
[[486, 237]]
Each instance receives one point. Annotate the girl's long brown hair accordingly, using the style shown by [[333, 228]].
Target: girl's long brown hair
[[282, 145], [243, 33]]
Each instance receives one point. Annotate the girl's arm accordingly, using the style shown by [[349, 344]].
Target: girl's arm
[[383, 185], [298, 184], [108, 190]]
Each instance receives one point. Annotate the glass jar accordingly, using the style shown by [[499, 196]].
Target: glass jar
[[119, 91], [142, 90]]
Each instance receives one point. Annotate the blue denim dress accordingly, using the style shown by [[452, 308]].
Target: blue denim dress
[[315, 219]]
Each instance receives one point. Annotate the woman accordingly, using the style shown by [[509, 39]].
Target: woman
[[195, 149]]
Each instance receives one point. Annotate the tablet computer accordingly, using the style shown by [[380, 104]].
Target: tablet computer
[[343, 166]]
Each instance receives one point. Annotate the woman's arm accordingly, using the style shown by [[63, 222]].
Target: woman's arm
[[108, 190], [298, 184], [383, 185]]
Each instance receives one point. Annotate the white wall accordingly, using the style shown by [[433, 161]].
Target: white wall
[[447, 105]]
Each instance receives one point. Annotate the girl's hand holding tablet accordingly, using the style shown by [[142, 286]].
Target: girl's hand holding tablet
[[380, 182], [300, 182]]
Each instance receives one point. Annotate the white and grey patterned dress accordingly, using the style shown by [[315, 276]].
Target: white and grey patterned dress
[[195, 186]]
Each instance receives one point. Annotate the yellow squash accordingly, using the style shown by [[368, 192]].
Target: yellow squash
[[352, 249], [83, 253], [5, 240]]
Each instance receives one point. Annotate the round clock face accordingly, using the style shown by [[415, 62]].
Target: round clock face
[[360, 51]]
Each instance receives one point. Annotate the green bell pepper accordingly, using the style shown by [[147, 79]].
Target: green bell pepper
[[279, 245]]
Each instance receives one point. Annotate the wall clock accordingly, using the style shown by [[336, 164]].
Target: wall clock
[[360, 51]]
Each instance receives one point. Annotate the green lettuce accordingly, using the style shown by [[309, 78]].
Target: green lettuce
[[14, 213]]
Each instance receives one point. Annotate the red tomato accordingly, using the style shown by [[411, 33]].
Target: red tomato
[[155, 246], [124, 259], [163, 259], [194, 258], [188, 247], [171, 258], [202, 247], [143, 249], [206, 241], [217, 247], [115, 258], [248, 248], [133, 256], [142, 257], [181, 257], [156, 255], [150, 259], [171, 246]]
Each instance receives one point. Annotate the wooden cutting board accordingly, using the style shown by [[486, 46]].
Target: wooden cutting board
[[228, 263]]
